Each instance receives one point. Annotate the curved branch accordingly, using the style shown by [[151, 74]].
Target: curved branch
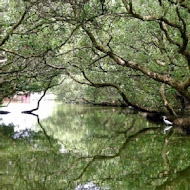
[[10, 32], [165, 101], [186, 84], [119, 90], [135, 66], [181, 4], [164, 29], [164, 21], [38, 103]]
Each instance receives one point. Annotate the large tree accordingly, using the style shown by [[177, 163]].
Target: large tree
[[138, 48]]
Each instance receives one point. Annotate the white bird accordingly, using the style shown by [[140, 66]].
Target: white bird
[[167, 129], [167, 122]]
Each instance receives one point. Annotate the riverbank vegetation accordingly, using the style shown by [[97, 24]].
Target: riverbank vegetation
[[129, 52]]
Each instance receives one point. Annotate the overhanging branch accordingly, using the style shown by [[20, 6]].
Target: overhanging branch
[[112, 85], [135, 66]]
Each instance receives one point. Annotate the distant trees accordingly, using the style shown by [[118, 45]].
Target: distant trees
[[139, 48]]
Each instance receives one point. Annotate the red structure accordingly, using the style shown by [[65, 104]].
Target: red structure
[[23, 98]]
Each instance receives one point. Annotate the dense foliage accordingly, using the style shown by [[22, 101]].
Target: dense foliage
[[129, 50]]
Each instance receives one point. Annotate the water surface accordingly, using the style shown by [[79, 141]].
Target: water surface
[[75, 147]]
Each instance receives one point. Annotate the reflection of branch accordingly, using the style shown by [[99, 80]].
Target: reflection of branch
[[105, 157], [84, 169], [125, 132], [165, 155], [39, 123], [128, 139], [180, 175], [45, 133]]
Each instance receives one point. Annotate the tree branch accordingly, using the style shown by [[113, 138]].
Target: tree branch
[[165, 101], [119, 90], [10, 32], [186, 84], [135, 66]]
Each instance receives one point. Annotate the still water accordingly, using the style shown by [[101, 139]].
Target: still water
[[75, 147]]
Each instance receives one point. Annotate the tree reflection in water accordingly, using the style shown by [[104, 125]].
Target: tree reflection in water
[[109, 148]]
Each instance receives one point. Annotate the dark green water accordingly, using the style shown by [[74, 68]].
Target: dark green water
[[68, 145]]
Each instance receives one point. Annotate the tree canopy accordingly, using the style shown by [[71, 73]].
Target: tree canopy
[[137, 52]]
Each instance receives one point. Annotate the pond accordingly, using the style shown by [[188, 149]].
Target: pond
[[75, 147]]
